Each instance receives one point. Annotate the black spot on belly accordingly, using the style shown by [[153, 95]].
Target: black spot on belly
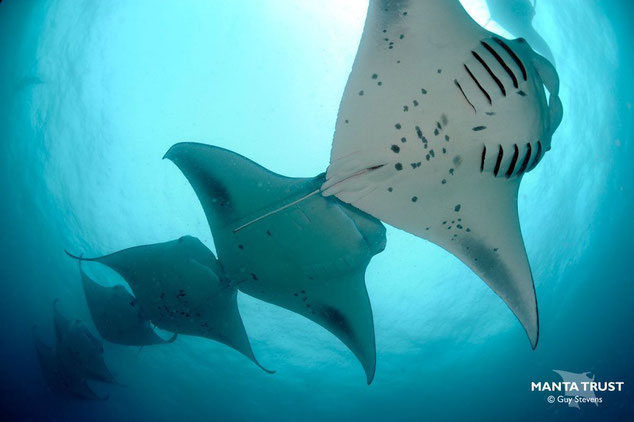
[[415, 103], [457, 208], [457, 160], [443, 181], [439, 71], [254, 277], [414, 198], [218, 192], [390, 189], [522, 93], [398, 125], [444, 119], [361, 93], [403, 140], [374, 76], [396, 149], [478, 128], [240, 246], [423, 91], [405, 108], [336, 318], [398, 166]]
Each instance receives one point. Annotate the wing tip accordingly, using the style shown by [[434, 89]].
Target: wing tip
[[532, 329], [171, 152], [268, 371], [370, 377]]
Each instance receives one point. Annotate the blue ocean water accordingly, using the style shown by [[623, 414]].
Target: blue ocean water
[[92, 94]]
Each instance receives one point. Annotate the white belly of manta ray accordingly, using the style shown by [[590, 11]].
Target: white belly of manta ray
[[439, 121]]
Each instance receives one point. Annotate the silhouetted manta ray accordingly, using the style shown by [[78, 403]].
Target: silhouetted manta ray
[[118, 316], [439, 121], [308, 256], [180, 288], [516, 16], [59, 379], [79, 351]]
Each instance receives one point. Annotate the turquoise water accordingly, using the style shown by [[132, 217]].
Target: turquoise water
[[92, 94]]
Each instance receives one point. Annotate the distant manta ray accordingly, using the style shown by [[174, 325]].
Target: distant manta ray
[[439, 121], [180, 287]]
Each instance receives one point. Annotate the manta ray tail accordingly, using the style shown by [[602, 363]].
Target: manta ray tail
[[282, 208], [268, 371]]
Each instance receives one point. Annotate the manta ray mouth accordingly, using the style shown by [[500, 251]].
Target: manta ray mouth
[[497, 161]]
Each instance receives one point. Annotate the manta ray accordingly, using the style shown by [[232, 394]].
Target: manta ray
[[578, 380], [79, 351], [117, 315], [516, 16], [309, 254], [59, 379], [439, 122], [76, 357], [180, 287]]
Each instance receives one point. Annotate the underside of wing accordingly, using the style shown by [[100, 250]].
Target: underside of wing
[[308, 255]]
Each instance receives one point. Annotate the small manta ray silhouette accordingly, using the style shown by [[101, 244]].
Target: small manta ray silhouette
[[577, 379]]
